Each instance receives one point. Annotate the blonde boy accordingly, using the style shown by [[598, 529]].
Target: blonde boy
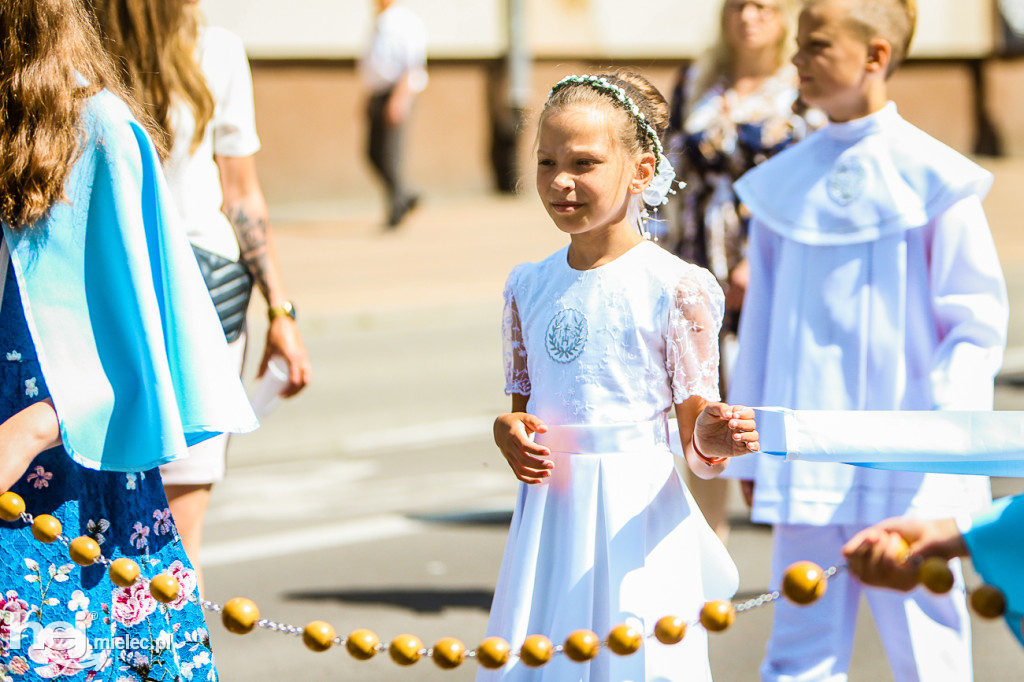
[[874, 286]]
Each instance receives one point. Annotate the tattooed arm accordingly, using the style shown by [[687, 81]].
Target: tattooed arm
[[246, 208]]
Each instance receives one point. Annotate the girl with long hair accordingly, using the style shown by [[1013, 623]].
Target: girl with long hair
[[197, 87], [105, 371]]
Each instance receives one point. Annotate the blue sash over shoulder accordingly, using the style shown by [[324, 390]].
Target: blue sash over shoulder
[[128, 340]]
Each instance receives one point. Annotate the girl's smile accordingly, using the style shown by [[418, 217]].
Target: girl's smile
[[565, 206]]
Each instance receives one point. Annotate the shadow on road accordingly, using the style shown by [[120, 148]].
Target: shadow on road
[[1011, 379], [418, 600], [469, 518]]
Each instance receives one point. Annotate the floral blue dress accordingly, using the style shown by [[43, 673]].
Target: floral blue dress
[[58, 619]]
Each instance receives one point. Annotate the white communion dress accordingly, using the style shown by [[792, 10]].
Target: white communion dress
[[613, 536]]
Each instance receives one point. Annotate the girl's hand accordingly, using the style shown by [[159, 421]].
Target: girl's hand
[[512, 436], [726, 430], [888, 553]]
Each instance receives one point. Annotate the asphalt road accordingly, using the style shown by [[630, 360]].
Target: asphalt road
[[377, 500]]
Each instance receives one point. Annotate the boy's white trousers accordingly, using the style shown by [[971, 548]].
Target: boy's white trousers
[[926, 636]]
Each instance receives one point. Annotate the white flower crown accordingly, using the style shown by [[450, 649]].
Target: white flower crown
[[660, 187]]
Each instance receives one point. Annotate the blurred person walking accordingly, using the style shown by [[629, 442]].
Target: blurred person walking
[[393, 69], [196, 84], [730, 110]]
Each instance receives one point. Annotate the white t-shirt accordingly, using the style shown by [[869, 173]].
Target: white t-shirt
[[194, 178], [398, 46]]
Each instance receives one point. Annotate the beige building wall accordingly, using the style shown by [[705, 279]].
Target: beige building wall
[[329, 29], [333, 29], [310, 104], [311, 121]]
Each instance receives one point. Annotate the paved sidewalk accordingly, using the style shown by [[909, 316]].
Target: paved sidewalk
[[452, 251], [457, 250]]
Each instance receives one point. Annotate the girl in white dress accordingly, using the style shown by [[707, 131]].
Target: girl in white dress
[[603, 338]]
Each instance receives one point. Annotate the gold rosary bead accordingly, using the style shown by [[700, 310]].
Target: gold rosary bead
[[405, 649], [240, 615], [164, 588], [362, 644], [46, 528], [717, 616], [670, 630], [624, 640], [12, 506], [493, 653], [84, 550], [537, 650], [123, 572], [318, 636], [449, 653], [804, 583], [582, 645]]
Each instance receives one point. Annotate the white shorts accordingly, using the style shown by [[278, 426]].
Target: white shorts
[[207, 461]]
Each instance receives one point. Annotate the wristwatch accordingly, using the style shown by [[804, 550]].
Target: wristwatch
[[286, 308]]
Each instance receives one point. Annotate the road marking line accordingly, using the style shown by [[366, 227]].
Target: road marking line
[[411, 438], [418, 436], [308, 539]]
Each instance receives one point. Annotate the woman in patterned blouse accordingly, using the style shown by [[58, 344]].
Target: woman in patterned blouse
[[731, 109]]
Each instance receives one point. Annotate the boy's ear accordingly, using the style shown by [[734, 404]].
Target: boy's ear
[[879, 56], [646, 169]]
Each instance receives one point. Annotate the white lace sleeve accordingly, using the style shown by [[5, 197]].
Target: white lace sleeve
[[691, 341], [517, 377]]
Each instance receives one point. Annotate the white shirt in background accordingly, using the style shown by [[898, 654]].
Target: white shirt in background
[[398, 46], [193, 177]]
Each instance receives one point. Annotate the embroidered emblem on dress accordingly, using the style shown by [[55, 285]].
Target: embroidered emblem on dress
[[847, 180], [567, 335], [14, 356]]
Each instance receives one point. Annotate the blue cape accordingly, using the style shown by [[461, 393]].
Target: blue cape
[[996, 541], [129, 343]]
